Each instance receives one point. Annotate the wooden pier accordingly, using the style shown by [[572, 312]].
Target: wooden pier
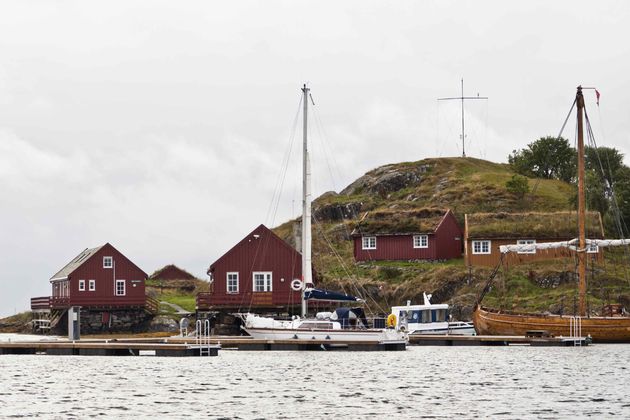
[[496, 340], [187, 346], [108, 348], [183, 346]]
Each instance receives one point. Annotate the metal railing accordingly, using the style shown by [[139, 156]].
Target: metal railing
[[575, 330], [202, 336]]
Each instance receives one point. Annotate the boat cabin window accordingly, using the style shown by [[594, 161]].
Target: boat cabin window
[[438, 315], [426, 316], [413, 316]]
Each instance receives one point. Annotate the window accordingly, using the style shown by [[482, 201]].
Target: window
[[108, 262], [262, 281], [232, 282], [481, 247], [592, 248], [81, 285], [526, 242], [420, 241], [120, 288], [92, 285], [369, 242]]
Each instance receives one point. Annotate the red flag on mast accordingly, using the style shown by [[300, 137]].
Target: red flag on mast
[[597, 95]]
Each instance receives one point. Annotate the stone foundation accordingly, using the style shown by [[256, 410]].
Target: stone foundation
[[105, 321]]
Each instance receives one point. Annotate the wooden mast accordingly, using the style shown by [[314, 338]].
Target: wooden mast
[[581, 207]]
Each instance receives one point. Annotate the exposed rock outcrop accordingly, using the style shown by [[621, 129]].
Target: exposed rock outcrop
[[387, 179]]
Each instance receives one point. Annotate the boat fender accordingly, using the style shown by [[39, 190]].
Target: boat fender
[[391, 321]]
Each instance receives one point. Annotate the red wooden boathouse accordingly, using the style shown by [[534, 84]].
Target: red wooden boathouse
[[99, 280], [255, 274], [423, 234]]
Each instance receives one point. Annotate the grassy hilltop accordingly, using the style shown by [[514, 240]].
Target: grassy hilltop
[[465, 185]]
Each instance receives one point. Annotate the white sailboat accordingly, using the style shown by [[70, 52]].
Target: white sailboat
[[341, 326]]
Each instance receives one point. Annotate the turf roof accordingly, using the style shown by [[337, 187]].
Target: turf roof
[[557, 225], [391, 222]]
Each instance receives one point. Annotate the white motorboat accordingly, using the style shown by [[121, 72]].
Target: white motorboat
[[429, 318]]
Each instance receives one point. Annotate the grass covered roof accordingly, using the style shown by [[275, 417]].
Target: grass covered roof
[[557, 225], [393, 221]]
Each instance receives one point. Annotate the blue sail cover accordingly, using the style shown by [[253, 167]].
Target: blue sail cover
[[319, 294]]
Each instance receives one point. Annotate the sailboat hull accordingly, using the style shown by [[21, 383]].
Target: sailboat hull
[[376, 336], [601, 329]]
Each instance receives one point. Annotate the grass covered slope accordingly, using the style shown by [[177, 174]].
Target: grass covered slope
[[465, 185]]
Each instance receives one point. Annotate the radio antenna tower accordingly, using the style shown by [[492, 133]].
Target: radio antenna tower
[[463, 98]]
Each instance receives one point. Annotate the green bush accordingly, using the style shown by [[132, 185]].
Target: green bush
[[518, 185]]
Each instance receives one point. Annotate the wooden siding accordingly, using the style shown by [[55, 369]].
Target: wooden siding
[[394, 247], [259, 251], [449, 238], [492, 259], [444, 243], [104, 295]]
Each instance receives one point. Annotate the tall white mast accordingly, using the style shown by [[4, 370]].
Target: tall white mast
[[307, 274]]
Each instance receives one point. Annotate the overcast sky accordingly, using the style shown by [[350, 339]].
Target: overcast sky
[[160, 127]]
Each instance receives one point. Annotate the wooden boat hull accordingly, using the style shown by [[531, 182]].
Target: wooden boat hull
[[601, 329]]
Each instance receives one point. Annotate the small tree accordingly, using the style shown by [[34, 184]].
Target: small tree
[[518, 185], [547, 157]]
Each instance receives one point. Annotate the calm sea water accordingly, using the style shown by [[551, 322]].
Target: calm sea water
[[423, 382]]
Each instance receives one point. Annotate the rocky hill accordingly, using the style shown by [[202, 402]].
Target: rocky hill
[[465, 185]]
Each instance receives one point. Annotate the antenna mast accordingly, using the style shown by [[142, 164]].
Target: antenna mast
[[463, 98]]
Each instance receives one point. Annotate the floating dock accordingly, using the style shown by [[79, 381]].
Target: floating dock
[[496, 340], [183, 346], [107, 348], [187, 346]]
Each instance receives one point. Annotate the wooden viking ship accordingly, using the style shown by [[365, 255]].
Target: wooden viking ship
[[615, 327]]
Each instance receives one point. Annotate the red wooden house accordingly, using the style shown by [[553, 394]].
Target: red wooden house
[[99, 279], [255, 274], [423, 234]]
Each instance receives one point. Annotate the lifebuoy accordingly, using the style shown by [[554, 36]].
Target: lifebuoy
[[391, 321], [297, 285]]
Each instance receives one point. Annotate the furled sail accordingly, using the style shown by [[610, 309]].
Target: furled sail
[[572, 244], [320, 294]]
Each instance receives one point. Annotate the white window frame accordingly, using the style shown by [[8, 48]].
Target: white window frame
[[268, 281], [368, 242], [227, 282], [418, 241], [592, 248], [124, 288], [481, 251], [526, 242], [92, 285], [110, 260], [81, 285]]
